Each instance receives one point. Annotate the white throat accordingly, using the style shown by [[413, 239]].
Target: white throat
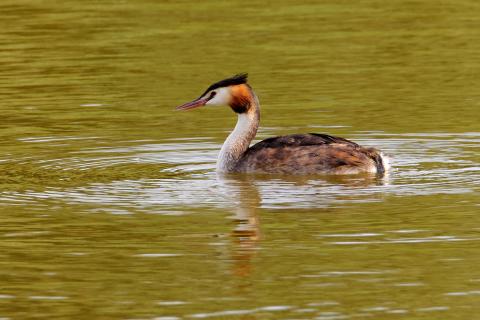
[[239, 140]]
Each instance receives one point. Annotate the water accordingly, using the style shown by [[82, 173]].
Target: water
[[110, 206]]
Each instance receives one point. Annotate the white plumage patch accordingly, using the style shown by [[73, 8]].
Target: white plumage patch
[[222, 97]]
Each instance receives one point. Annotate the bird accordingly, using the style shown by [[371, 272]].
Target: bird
[[295, 154]]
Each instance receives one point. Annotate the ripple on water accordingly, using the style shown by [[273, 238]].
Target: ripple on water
[[408, 240], [422, 165], [157, 255], [56, 298], [224, 313], [171, 303]]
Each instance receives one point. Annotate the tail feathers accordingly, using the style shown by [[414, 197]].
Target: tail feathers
[[379, 163], [382, 163]]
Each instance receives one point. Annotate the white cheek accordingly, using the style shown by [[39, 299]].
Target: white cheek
[[222, 98]]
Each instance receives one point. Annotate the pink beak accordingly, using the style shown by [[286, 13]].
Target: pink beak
[[192, 104]]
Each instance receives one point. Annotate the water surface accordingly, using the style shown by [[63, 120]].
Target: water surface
[[111, 208]]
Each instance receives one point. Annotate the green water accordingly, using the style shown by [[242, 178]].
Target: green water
[[110, 205]]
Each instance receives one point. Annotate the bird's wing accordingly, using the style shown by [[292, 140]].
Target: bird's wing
[[299, 140]]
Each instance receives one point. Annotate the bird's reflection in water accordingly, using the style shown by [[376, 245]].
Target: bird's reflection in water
[[244, 193], [245, 198]]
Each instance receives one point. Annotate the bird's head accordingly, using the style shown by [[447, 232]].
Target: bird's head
[[233, 92]]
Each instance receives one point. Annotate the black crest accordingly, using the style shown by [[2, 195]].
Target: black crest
[[235, 80]]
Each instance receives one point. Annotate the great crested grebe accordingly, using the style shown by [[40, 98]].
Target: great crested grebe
[[292, 154]]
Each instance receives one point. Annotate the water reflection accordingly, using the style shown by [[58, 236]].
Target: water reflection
[[243, 193], [245, 199]]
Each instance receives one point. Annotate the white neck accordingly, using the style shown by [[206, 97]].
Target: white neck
[[239, 139]]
